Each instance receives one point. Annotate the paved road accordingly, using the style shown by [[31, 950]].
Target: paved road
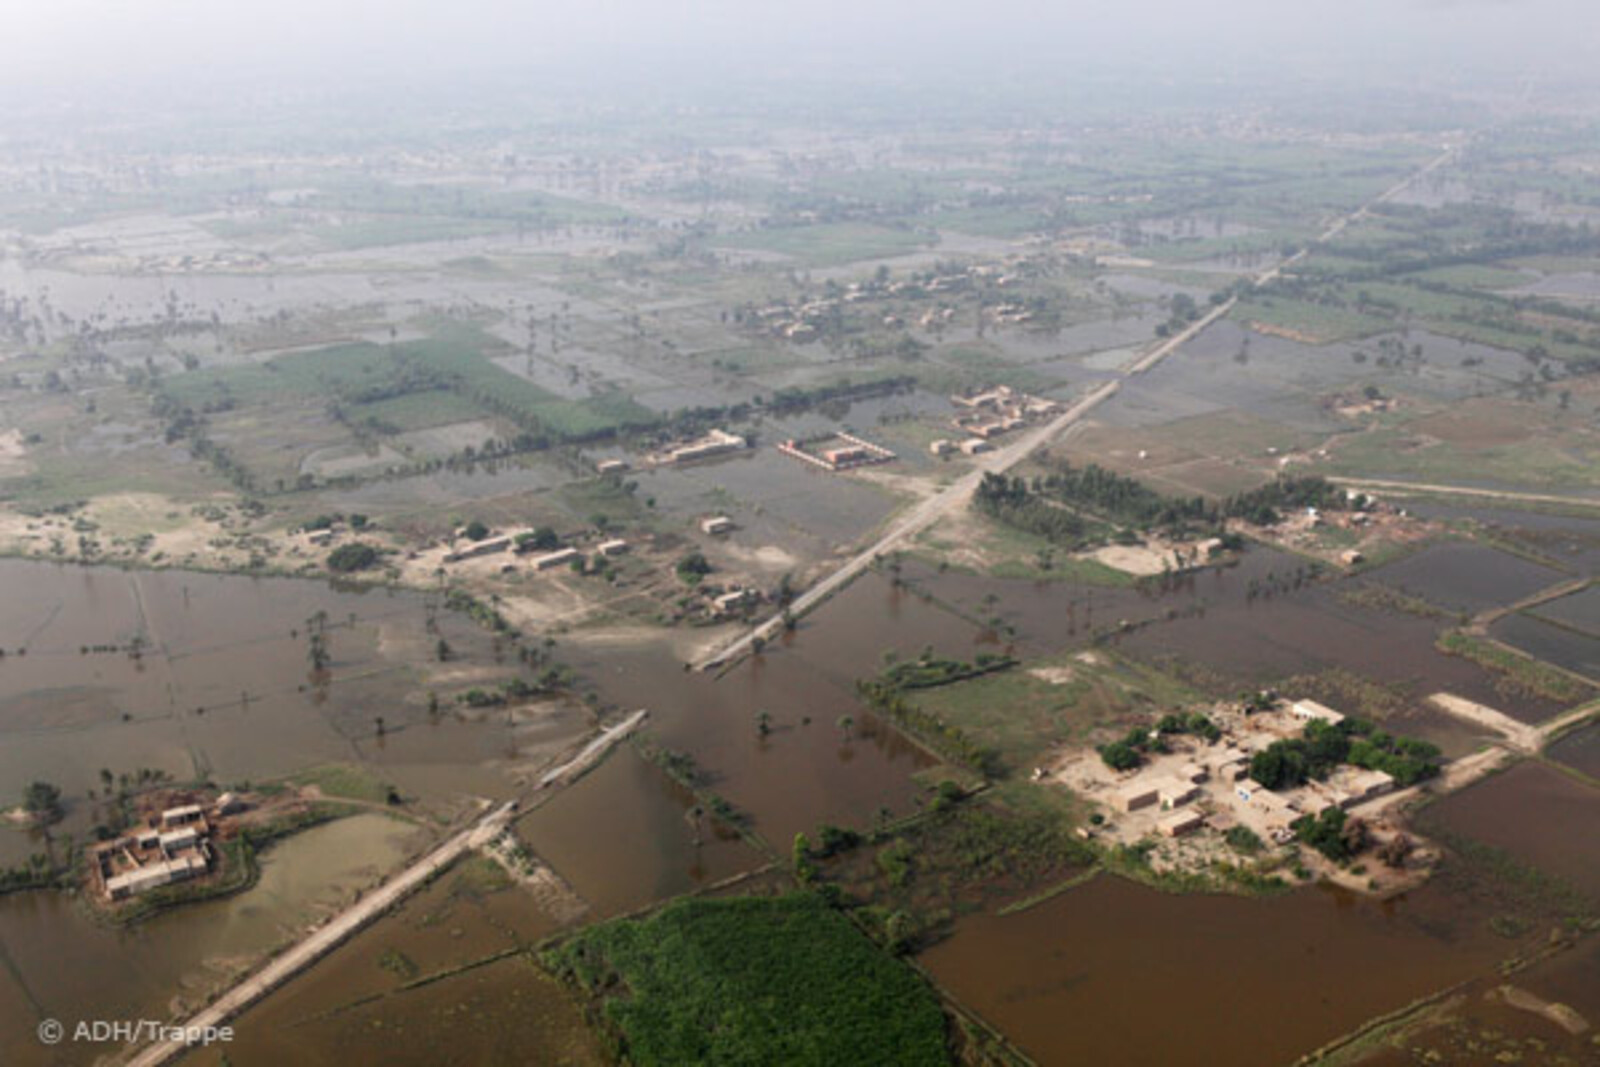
[[955, 496], [913, 522], [327, 937]]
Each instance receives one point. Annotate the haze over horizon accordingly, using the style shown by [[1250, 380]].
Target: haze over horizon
[[178, 44]]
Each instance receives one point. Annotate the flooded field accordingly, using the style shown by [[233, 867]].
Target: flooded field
[[1467, 577], [461, 927], [1536, 814], [1580, 611], [1579, 750], [653, 847], [1254, 623], [1112, 972], [60, 963], [1573, 650]]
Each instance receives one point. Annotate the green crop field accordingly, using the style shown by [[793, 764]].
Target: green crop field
[[754, 981]]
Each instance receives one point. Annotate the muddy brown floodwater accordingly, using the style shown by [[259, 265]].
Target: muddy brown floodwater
[[1537, 814], [57, 962], [1112, 972]]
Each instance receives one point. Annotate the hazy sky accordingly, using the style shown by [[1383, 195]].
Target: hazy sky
[[65, 41]]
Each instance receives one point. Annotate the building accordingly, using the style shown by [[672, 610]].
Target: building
[[229, 804], [712, 444], [175, 817], [1351, 556], [729, 602], [551, 560], [942, 447], [154, 876], [972, 446], [1364, 785], [1175, 792], [179, 840], [614, 547], [1178, 823], [320, 537], [481, 548], [611, 466], [1193, 772], [1231, 766], [1310, 709], [1136, 796], [716, 524], [849, 455]]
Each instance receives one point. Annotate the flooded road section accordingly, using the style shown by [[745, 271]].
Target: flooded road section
[[438, 981], [1112, 972]]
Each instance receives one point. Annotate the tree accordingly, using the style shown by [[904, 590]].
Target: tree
[[693, 567], [475, 531], [42, 800], [1120, 756], [356, 556], [317, 652], [442, 650], [1396, 851]]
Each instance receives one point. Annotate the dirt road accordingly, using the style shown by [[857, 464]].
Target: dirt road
[[1393, 485]]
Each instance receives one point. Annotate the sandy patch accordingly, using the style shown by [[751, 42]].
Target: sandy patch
[[1286, 333], [1053, 675], [766, 557], [1560, 1014], [1133, 559]]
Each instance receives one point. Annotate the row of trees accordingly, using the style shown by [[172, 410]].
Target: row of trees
[[1324, 746], [1049, 506]]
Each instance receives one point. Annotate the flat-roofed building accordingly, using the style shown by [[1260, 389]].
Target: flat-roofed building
[[550, 560], [1310, 709], [188, 813], [1178, 823], [1136, 796]]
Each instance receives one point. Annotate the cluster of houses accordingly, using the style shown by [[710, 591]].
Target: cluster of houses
[[991, 413], [805, 321], [519, 544], [1236, 796], [174, 847]]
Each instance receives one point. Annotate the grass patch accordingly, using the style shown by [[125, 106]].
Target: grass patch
[[346, 781], [748, 981]]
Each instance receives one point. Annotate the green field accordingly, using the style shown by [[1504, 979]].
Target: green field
[[785, 980]]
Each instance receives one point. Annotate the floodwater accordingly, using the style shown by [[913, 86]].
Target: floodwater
[[1580, 610], [1112, 972], [1212, 619], [1535, 813], [355, 1004], [1579, 750], [1463, 576], [1571, 649], [222, 688], [59, 963]]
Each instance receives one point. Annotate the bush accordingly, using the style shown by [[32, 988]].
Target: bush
[[355, 556]]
